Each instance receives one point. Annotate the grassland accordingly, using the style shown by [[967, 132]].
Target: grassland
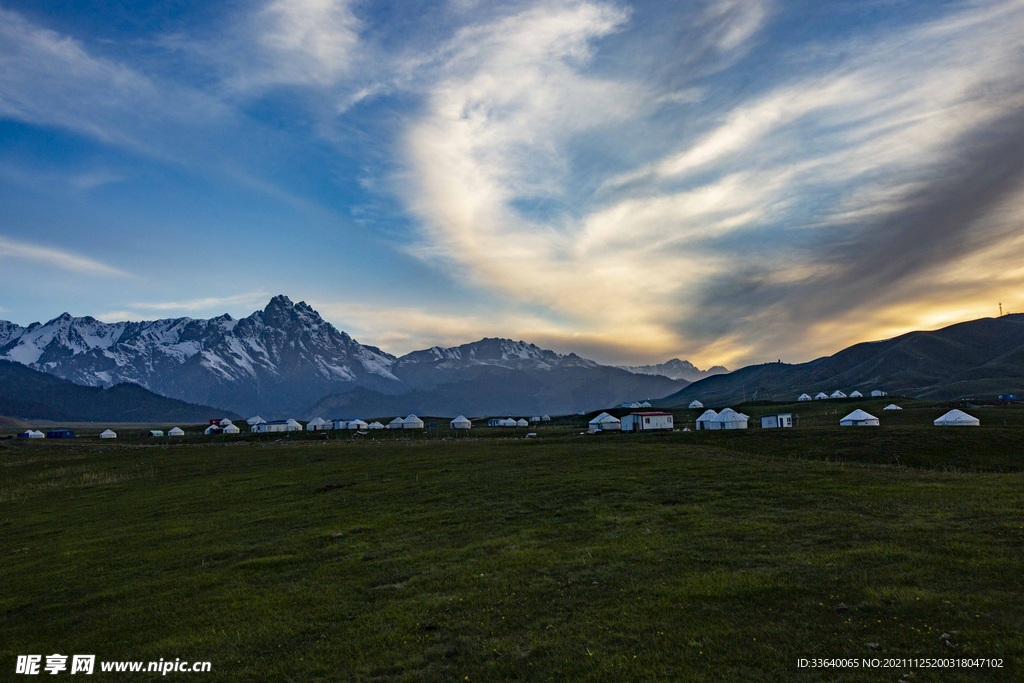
[[668, 557]]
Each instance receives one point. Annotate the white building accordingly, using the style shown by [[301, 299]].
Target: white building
[[277, 426], [522, 423], [225, 422], [804, 397], [231, 429], [643, 422], [176, 431], [397, 423], [339, 423], [375, 425], [545, 418], [877, 392], [859, 418], [254, 420], [957, 418], [778, 420], [536, 418], [856, 394], [317, 424], [696, 405], [460, 423], [412, 422], [357, 425], [837, 394], [217, 429], [605, 423], [704, 421], [156, 432], [729, 419], [820, 396], [892, 406], [108, 434], [645, 404]]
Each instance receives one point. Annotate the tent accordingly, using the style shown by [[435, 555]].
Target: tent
[[316, 424], [856, 394], [231, 429], [36, 435], [108, 434], [729, 419], [545, 418], [837, 394], [212, 429], [820, 396], [357, 424], [293, 426], [704, 421], [254, 420], [859, 418], [176, 431], [645, 404], [892, 406], [225, 422], [397, 423], [508, 422], [155, 432], [957, 418], [375, 425], [460, 423], [804, 397], [694, 405], [522, 423], [605, 422], [412, 422]]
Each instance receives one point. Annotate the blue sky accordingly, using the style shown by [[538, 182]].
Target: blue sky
[[728, 181]]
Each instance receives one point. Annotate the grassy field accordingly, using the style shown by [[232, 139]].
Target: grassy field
[[668, 557]]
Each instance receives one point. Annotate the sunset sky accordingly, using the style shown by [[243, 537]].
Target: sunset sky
[[729, 182]]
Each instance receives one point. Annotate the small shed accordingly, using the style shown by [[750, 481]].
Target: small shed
[[892, 406], [176, 431], [460, 423], [777, 420], [704, 421], [856, 394], [108, 434], [60, 434], [643, 422], [605, 423], [837, 394], [859, 418], [412, 422], [957, 418], [696, 405], [804, 397], [157, 432]]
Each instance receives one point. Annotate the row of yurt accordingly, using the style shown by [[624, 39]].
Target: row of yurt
[[727, 419], [635, 404], [224, 427], [32, 434], [954, 418], [411, 422], [821, 395], [507, 422]]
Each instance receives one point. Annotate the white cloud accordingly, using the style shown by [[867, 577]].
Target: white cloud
[[255, 298], [58, 258]]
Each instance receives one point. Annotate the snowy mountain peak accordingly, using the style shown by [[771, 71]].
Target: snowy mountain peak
[[675, 369]]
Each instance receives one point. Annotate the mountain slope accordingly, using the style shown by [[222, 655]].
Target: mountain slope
[[983, 356], [32, 395]]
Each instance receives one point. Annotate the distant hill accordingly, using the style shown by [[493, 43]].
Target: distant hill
[[31, 395], [982, 357], [675, 369]]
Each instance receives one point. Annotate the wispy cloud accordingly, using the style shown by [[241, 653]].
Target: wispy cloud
[[254, 298], [65, 260]]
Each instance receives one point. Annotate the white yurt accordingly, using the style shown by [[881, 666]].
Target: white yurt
[[375, 425], [957, 418], [225, 422], [545, 418], [155, 432], [293, 426], [730, 419], [108, 434], [694, 405], [397, 423], [316, 424], [804, 397], [821, 395], [837, 394], [856, 394], [508, 422], [36, 435], [605, 422], [892, 406], [859, 418], [176, 431], [522, 423], [358, 425], [254, 420], [412, 422], [645, 404], [460, 423], [213, 429], [231, 429], [704, 421]]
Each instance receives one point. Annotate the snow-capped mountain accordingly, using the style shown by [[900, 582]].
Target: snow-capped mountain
[[271, 360], [283, 359], [675, 369]]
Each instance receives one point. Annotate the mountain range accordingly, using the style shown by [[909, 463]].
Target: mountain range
[[982, 357], [286, 360], [675, 369]]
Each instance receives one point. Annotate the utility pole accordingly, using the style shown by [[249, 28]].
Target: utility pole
[[1000, 309]]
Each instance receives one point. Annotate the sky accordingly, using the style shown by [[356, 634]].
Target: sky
[[724, 181]]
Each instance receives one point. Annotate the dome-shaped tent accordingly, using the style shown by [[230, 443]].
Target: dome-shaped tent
[[856, 394], [254, 420], [176, 431], [820, 396], [397, 423], [892, 406], [460, 423], [804, 397], [704, 421], [231, 429], [412, 422], [522, 423], [316, 424], [957, 418], [108, 434], [859, 418], [729, 419], [357, 424], [696, 405], [375, 425], [837, 394]]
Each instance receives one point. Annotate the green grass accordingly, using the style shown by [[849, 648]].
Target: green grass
[[670, 557]]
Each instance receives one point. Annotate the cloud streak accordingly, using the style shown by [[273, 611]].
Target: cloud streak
[[11, 249]]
